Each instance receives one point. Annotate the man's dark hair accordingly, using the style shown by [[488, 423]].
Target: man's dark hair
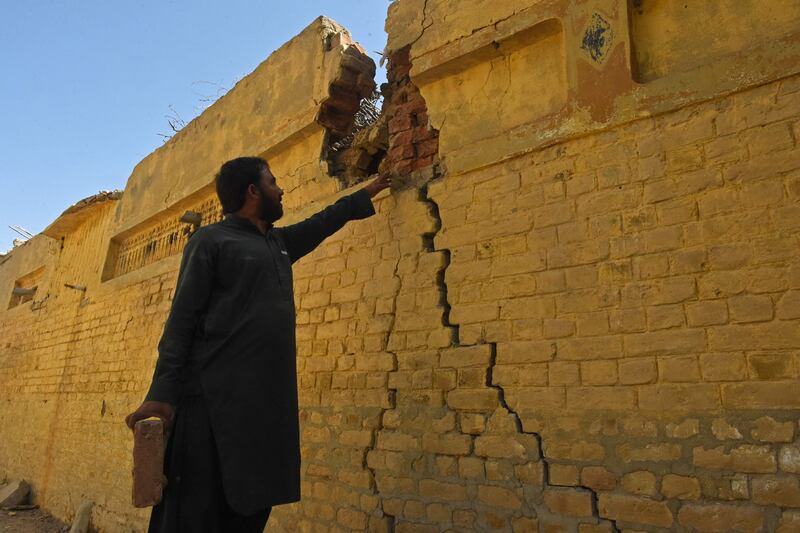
[[233, 179]]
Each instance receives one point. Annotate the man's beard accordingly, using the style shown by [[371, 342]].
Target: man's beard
[[269, 212]]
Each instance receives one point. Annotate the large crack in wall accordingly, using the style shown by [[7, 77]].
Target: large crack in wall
[[542, 505]]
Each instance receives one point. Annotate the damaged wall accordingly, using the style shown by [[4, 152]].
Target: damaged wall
[[577, 311]]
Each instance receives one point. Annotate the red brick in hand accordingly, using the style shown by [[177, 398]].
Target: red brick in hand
[[148, 462]]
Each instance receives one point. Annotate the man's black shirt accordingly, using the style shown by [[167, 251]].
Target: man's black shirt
[[230, 336]]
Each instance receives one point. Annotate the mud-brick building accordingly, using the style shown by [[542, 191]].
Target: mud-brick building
[[577, 311]]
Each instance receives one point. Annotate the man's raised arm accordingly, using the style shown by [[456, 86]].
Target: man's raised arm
[[303, 237]]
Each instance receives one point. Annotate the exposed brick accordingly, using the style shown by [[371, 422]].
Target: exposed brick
[[429, 488], [640, 482], [634, 509], [563, 475], [598, 478], [772, 395], [721, 517], [780, 491], [745, 458], [789, 459], [574, 502], [148, 463], [498, 497], [767, 429], [680, 487]]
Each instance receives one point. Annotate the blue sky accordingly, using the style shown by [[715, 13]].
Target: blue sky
[[86, 85]]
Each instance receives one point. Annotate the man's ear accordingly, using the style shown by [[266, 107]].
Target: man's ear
[[252, 190]]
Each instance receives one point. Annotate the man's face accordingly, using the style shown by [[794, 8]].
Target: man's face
[[270, 209]]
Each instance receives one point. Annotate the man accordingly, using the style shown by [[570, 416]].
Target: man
[[225, 380]]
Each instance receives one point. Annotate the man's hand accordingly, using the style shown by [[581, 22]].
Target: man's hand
[[161, 410], [378, 184]]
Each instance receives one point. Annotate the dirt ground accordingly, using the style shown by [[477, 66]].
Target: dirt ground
[[31, 521]]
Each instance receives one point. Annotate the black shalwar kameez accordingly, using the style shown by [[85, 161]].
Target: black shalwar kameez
[[227, 360]]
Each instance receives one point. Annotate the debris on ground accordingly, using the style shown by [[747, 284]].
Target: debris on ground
[[14, 493]]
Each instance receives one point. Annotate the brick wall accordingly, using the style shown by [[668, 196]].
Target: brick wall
[[581, 320]]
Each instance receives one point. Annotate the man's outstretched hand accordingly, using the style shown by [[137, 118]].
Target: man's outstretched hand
[[161, 410], [378, 184]]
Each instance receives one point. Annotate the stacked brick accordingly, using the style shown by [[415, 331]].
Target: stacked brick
[[639, 288], [413, 145]]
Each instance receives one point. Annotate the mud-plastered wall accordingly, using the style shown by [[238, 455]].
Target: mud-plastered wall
[[575, 311]]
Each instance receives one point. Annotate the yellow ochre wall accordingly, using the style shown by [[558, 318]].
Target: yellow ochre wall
[[583, 319]]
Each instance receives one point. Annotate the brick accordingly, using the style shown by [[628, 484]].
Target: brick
[[721, 517], [468, 356], [659, 292], [689, 183], [771, 366], [790, 522], [768, 139], [768, 336], [470, 314], [648, 453], [552, 214], [774, 490], [761, 395], [473, 400], [706, 313], [499, 447], [351, 518], [763, 193], [527, 308], [542, 397], [678, 369], [789, 459], [563, 475], [788, 306], [606, 347], [685, 429], [637, 371], [599, 372], [531, 473], [598, 478], [396, 441], [679, 341], [446, 444], [767, 429], [611, 398], [680, 487], [591, 324], [522, 352], [677, 211], [665, 317], [498, 497], [723, 366], [640, 482], [563, 373], [148, 463], [437, 490], [634, 509], [725, 149], [748, 308], [746, 458], [573, 450], [723, 430], [573, 502], [558, 328], [677, 397], [579, 253]]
